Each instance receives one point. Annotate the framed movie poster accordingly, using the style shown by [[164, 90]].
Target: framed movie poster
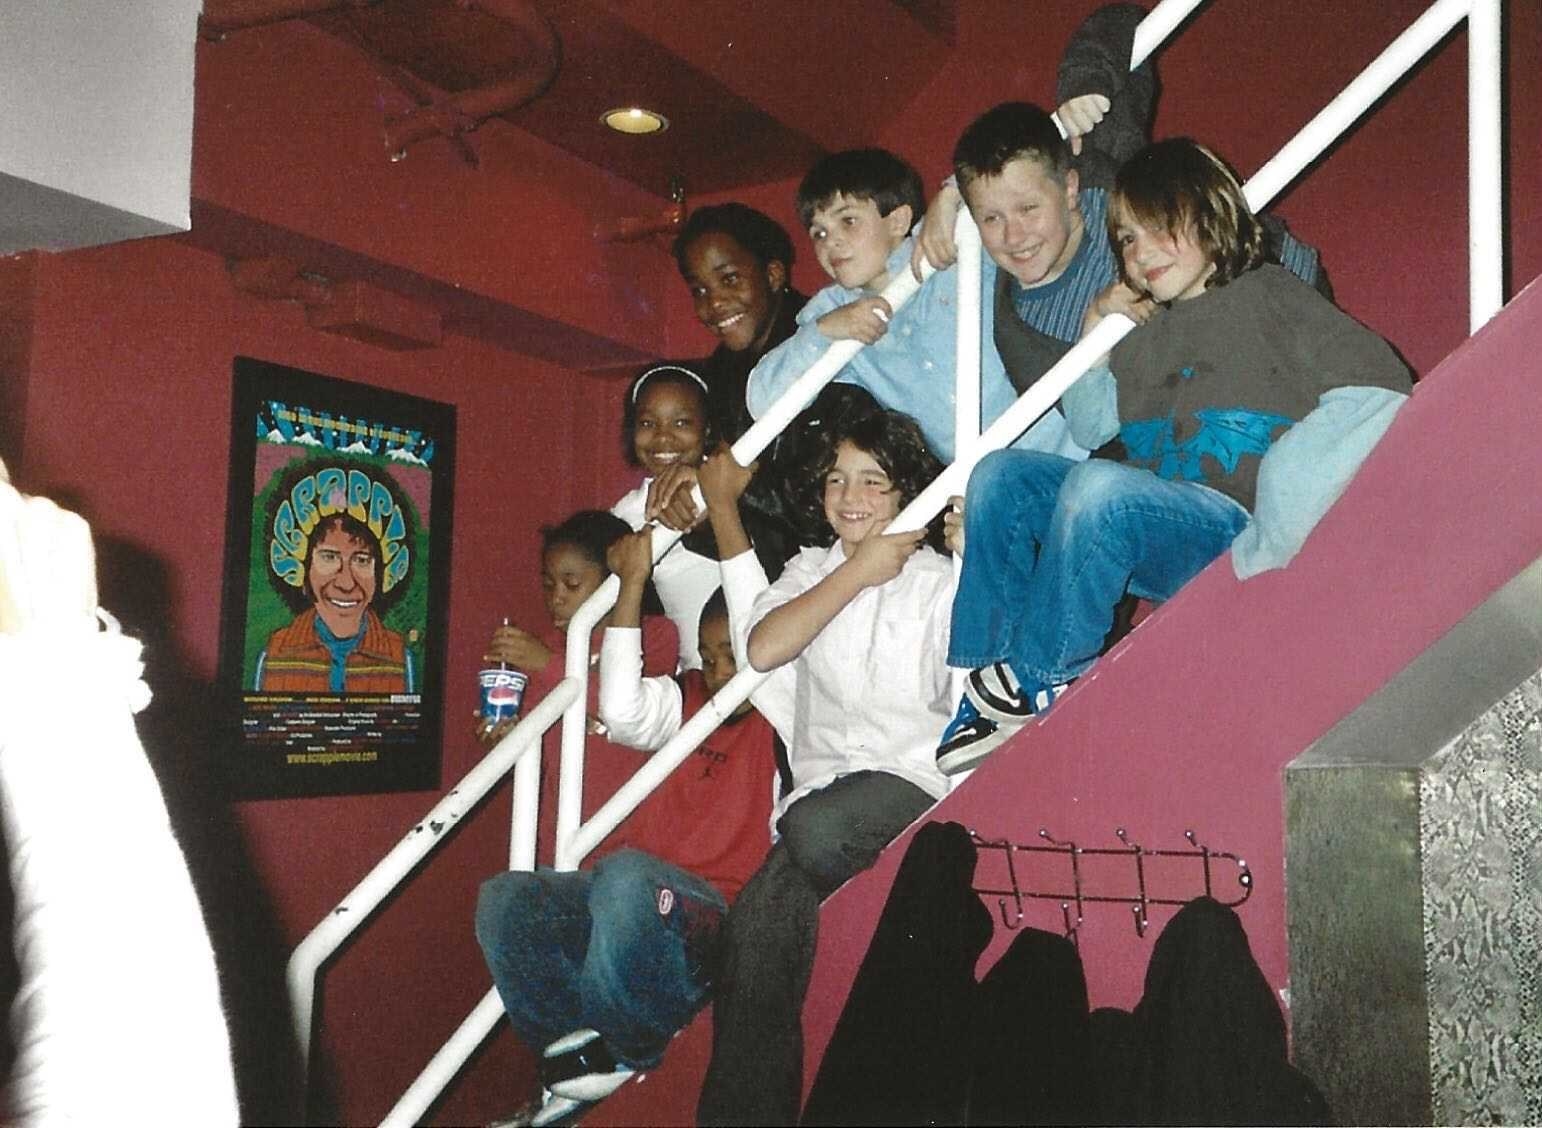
[[337, 565]]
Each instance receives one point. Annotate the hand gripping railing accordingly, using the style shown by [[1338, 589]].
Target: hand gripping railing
[[575, 841]]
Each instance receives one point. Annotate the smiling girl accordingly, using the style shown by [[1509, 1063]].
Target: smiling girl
[[667, 434]]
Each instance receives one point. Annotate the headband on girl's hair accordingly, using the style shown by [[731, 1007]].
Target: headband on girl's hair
[[658, 368]]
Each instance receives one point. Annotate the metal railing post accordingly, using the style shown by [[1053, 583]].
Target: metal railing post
[[1485, 161]]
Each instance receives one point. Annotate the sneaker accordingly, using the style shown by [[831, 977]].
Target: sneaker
[[970, 737], [579, 1067], [995, 693]]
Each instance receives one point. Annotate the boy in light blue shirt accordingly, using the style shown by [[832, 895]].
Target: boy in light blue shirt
[[859, 206]]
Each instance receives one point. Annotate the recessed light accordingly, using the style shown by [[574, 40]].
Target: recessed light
[[635, 119]]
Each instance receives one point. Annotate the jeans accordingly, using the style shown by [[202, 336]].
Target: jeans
[[628, 949], [828, 836], [1051, 546]]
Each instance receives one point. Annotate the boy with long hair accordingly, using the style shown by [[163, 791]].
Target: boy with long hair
[[1243, 408]]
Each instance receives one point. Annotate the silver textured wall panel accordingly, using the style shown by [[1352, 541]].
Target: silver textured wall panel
[[1414, 883]]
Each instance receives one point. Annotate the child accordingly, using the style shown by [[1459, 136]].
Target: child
[[738, 264], [861, 755], [1243, 407], [859, 206], [572, 568], [604, 983], [666, 430], [600, 968], [1040, 201]]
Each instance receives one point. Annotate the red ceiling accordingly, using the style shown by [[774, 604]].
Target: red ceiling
[[754, 92]]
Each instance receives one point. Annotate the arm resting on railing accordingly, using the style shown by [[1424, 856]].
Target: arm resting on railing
[[1307, 470]]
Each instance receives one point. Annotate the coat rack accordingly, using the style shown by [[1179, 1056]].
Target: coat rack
[[1078, 896]]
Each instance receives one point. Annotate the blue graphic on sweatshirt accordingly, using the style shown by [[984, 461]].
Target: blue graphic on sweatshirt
[[1226, 434]]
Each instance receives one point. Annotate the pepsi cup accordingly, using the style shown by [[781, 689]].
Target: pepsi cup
[[503, 692]]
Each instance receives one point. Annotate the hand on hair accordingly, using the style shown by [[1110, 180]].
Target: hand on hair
[[880, 556], [631, 557], [1079, 116], [865, 320], [670, 502], [722, 480], [934, 242], [953, 525], [519, 648]]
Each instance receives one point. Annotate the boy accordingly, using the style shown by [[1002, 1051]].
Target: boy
[[1040, 201], [861, 748], [1243, 407], [858, 207], [601, 968]]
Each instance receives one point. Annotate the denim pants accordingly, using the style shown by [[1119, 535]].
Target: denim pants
[[1051, 546], [628, 949]]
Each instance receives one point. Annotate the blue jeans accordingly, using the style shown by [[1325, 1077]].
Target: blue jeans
[[628, 949], [1051, 546]]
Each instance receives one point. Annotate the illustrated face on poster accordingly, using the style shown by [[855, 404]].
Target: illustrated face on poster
[[340, 554], [338, 668]]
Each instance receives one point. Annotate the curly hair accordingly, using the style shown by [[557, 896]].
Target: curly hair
[[755, 231], [1177, 185], [296, 493], [894, 441], [665, 372]]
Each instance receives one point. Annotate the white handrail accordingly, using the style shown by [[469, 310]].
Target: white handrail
[[365, 897], [575, 841], [798, 396], [1485, 163]]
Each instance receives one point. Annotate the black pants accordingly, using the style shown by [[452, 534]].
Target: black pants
[[756, 1072]]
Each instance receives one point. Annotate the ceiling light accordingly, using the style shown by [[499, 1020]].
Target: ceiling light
[[635, 119]]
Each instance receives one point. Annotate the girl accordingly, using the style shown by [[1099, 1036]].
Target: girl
[[665, 423], [738, 264], [864, 625], [572, 568], [1243, 407]]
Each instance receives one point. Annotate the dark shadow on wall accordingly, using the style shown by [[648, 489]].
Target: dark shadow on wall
[[177, 730]]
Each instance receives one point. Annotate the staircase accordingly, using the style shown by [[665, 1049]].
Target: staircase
[[1189, 723]]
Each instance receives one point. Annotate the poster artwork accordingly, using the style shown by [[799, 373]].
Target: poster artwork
[[338, 570]]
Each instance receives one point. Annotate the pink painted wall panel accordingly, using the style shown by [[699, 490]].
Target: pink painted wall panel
[[1189, 722]]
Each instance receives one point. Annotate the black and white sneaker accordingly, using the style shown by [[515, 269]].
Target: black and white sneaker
[[579, 1067], [970, 737], [996, 694]]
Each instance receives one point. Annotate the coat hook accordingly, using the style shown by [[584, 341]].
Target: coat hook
[[1072, 931], [1017, 894], [1204, 858]]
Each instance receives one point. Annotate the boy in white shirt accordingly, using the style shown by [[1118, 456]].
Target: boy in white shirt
[[864, 626]]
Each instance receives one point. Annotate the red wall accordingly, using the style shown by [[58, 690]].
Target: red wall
[[117, 368]]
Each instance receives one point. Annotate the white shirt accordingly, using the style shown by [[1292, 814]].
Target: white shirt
[[872, 689], [644, 713], [685, 580]]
